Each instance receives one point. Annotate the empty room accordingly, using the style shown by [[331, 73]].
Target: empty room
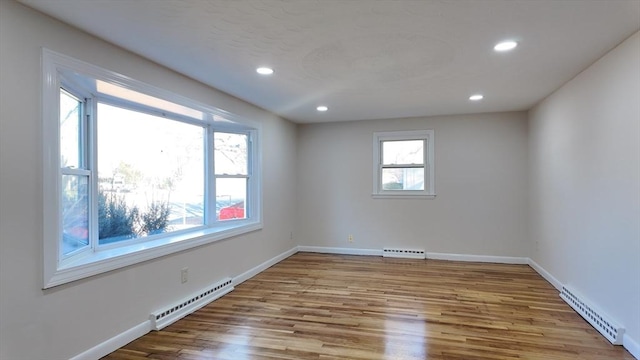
[[319, 179]]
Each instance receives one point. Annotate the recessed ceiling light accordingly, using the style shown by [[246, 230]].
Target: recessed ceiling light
[[505, 46], [322, 108], [476, 97], [264, 71]]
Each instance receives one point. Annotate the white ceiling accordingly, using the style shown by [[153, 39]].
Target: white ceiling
[[364, 59]]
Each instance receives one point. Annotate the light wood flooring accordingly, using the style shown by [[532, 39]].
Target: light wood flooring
[[318, 306]]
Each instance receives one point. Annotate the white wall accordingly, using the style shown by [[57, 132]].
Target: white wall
[[585, 184], [581, 203], [481, 186], [67, 320]]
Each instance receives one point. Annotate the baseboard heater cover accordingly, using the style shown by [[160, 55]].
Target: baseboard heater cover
[[610, 330], [161, 318], [404, 253]]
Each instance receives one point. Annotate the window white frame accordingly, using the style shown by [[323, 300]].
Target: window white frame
[[80, 78], [429, 165]]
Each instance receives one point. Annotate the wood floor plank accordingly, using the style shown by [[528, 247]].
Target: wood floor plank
[[319, 306]]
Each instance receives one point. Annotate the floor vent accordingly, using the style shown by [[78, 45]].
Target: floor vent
[[606, 327], [162, 318], [404, 253]]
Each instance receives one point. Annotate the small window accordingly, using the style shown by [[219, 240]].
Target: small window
[[403, 164]]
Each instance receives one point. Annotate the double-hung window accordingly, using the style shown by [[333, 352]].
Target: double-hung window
[[403, 165], [132, 172]]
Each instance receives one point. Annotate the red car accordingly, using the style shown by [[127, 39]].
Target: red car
[[235, 211]]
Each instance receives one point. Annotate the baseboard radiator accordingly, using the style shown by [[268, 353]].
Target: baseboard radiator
[[597, 319], [404, 253], [161, 318]]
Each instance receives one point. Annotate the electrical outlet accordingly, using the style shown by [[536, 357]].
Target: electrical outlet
[[184, 275], [350, 238], [291, 235]]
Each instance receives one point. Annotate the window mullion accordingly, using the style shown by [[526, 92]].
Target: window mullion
[[378, 175], [425, 156], [91, 154], [82, 136], [402, 166], [248, 204], [232, 176], [74, 171], [253, 206], [210, 178]]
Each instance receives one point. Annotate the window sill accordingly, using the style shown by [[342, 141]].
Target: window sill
[[105, 260], [404, 196]]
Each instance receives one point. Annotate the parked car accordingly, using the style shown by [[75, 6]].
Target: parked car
[[235, 211]]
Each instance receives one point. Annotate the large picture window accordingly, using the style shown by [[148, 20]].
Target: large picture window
[[150, 174], [137, 172], [403, 164]]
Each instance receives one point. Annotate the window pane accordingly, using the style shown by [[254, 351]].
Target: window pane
[[150, 173], [231, 195], [75, 212], [403, 152], [403, 179], [70, 127], [230, 153]]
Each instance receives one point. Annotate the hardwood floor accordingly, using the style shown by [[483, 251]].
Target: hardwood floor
[[316, 306]]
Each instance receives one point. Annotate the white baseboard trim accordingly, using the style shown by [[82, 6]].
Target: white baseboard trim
[[339, 250], [627, 342], [137, 331], [115, 342], [143, 328], [478, 258], [545, 274], [430, 255], [262, 267], [631, 346]]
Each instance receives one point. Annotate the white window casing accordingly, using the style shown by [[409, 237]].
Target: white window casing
[[94, 84], [425, 168]]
